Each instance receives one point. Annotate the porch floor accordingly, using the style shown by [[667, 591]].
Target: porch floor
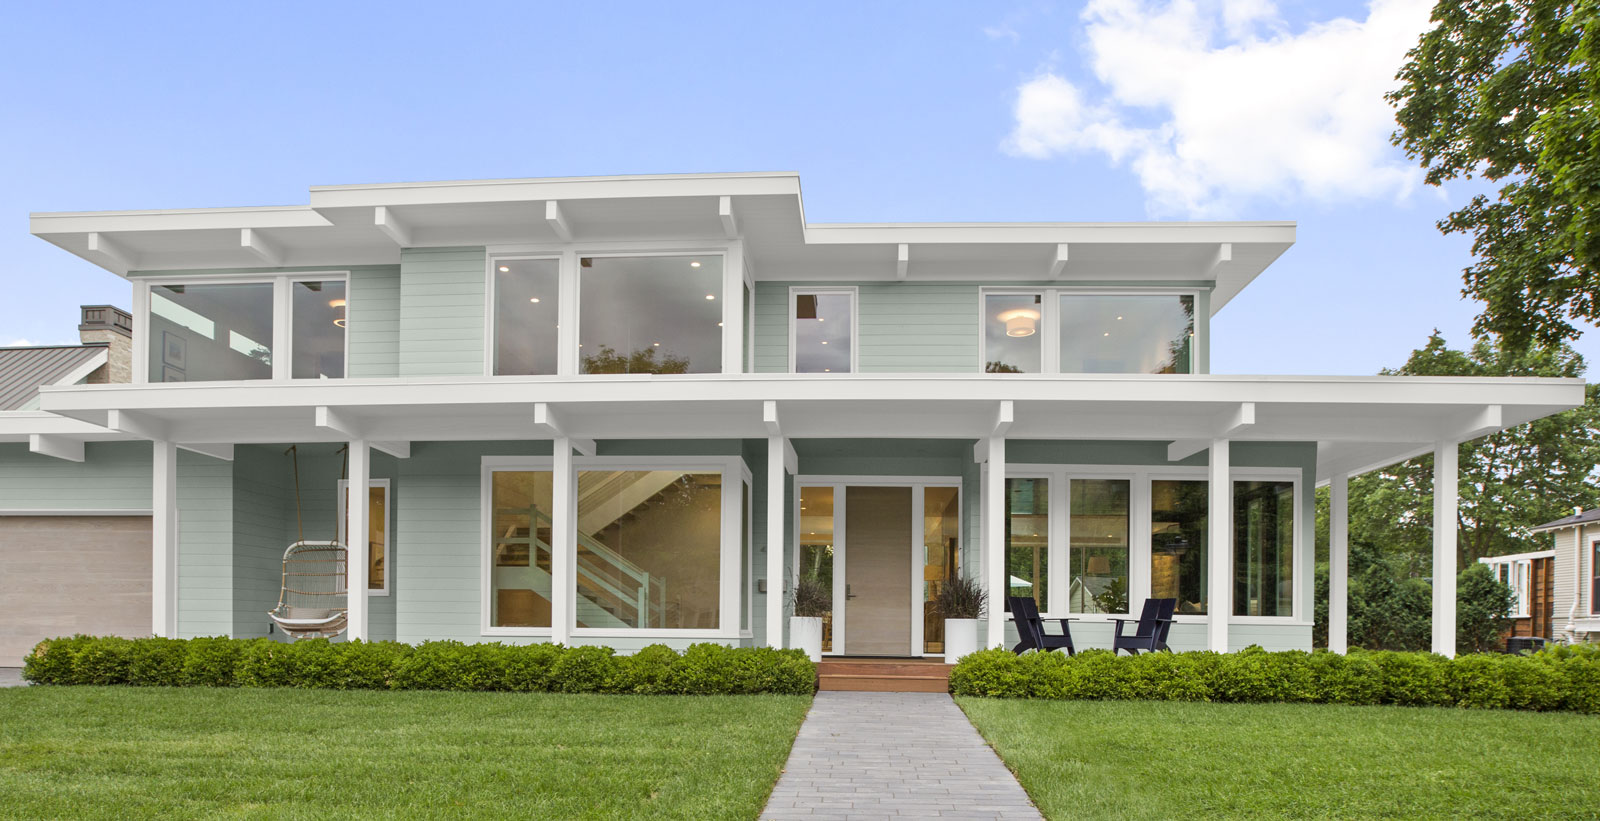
[[883, 674]]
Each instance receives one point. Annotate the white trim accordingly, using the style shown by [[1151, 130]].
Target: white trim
[[82, 372], [795, 291], [388, 529], [88, 511], [1050, 318], [1537, 554], [1587, 581]]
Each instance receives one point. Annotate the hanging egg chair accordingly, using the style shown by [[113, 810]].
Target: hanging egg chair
[[313, 600]]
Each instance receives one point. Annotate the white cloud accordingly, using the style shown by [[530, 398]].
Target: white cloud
[[1215, 102], [21, 343]]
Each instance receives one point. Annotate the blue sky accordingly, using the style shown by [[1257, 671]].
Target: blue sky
[[1233, 109]]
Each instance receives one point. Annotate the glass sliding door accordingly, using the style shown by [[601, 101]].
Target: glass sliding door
[[1098, 521]]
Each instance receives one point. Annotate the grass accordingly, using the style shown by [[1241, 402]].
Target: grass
[[1133, 760], [118, 752]]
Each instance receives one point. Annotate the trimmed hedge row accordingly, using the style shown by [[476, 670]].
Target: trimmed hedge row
[[702, 669], [1557, 679]]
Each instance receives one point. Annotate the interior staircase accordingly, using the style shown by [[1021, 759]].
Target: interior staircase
[[884, 675]]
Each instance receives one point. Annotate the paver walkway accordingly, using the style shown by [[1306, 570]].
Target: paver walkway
[[893, 755]]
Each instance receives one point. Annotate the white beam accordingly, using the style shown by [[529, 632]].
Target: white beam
[[357, 542], [112, 254], [777, 573], [1004, 418], [730, 226], [391, 226], [564, 542], [137, 424], [1232, 423], [549, 424], [902, 261], [60, 447], [1446, 455], [993, 517], [266, 250], [1484, 422], [399, 450], [1339, 563], [218, 451], [791, 459], [164, 541], [1223, 254], [1219, 546], [769, 417], [557, 220], [1058, 267], [335, 420]]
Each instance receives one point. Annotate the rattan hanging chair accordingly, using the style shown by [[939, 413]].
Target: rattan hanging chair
[[314, 598]]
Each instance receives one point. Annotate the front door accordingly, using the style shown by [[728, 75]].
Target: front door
[[877, 571]]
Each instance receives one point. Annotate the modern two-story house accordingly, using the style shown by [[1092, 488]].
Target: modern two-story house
[[628, 410]]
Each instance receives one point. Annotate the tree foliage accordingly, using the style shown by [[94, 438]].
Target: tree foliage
[[644, 360], [1506, 90]]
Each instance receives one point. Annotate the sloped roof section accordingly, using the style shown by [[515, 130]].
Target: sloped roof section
[[1587, 516], [23, 370]]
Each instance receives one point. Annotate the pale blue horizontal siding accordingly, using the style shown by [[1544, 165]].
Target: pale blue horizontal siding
[[442, 311], [205, 546], [113, 475], [374, 321]]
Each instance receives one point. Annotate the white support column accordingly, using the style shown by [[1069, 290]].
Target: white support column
[[776, 575], [164, 540], [358, 544], [563, 542], [1219, 547], [1339, 563], [994, 539], [1445, 457]]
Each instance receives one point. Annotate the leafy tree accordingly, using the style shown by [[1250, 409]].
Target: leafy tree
[[1506, 90], [644, 360], [1482, 602]]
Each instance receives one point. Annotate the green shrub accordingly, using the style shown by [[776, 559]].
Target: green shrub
[[1535, 682], [647, 672], [1253, 674], [370, 665], [991, 673], [1341, 679], [102, 660], [157, 662], [211, 661], [785, 672], [451, 665], [528, 667], [1413, 679], [52, 660], [1582, 674], [1478, 680], [1173, 676], [587, 669]]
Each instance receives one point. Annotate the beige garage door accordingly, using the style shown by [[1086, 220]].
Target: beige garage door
[[61, 575]]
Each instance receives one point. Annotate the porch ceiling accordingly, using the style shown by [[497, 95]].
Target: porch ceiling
[[1359, 423]]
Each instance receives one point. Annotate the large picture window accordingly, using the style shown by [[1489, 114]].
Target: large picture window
[[1263, 548], [1012, 342], [526, 307], [519, 548], [1127, 333], [822, 331], [1028, 539], [658, 315], [210, 332], [1178, 570], [1098, 526], [378, 549], [649, 549]]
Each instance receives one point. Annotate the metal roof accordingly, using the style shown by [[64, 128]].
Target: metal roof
[[23, 370], [1587, 516]]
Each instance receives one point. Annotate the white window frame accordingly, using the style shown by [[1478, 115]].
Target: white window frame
[[1050, 318], [1594, 601], [748, 496], [569, 286], [796, 291], [918, 486], [1139, 541], [388, 531], [732, 470], [282, 315]]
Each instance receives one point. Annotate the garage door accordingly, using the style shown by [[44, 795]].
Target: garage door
[[61, 575]]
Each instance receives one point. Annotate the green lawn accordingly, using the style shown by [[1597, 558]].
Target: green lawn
[[103, 752], [1125, 760]]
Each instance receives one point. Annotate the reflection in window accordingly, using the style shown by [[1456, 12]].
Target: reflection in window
[[525, 316], [210, 332], [941, 546], [1178, 543], [649, 549], [1028, 539], [816, 547], [1120, 333], [745, 558], [519, 544], [823, 330], [1263, 548], [650, 314], [1098, 545], [1011, 333], [377, 531], [319, 328]]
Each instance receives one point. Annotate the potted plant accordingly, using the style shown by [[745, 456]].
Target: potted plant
[[961, 601], [809, 601]]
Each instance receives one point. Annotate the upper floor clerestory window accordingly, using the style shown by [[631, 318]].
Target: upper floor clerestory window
[[1072, 331]]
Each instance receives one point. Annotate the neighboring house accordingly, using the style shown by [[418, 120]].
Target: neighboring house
[[1531, 577], [628, 410], [1574, 581]]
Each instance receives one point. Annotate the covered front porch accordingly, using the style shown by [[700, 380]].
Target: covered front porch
[[1086, 493]]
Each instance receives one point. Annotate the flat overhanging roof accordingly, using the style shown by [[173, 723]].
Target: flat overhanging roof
[[1358, 423], [344, 225]]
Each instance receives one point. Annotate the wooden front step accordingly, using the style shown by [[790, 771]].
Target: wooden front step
[[884, 675]]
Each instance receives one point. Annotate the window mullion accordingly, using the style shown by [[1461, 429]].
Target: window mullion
[[1050, 357], [567, 324], [282, 328]]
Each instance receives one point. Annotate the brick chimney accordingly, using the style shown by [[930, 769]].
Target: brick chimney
[[113, 327]]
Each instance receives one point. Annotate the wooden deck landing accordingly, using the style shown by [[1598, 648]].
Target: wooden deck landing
[[884, 675]]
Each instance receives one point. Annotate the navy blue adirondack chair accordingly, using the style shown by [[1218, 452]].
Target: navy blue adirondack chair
[[1151, 632], [1030, 628]]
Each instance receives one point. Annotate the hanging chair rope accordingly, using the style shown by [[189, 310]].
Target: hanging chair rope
[[299, 523], [309, 614]]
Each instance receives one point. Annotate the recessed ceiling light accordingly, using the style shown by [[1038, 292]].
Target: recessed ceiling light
[[711, 296], [505, 269], [827, 370], [824, 341], [1107, 333], [695, 264], [339, 322], [1119, 317], [658, 344], [335, 303], [533, 299], [719, 324], [822, 319]]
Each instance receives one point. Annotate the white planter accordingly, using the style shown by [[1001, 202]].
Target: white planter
[[960, 638], [805, 633]]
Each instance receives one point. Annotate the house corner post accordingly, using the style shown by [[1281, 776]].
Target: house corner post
[[1219, 546], [564, 541], [1339, 563], [1446, 457], [357, 538], [164, 540], [775, 540], [994, 539]]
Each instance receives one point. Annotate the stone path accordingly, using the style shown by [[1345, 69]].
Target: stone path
[[893, 755]]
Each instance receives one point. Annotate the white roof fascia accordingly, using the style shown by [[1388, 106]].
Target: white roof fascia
[[82, 372], [182, 219], [556, 188], [1516, 557], [1044, 233]]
